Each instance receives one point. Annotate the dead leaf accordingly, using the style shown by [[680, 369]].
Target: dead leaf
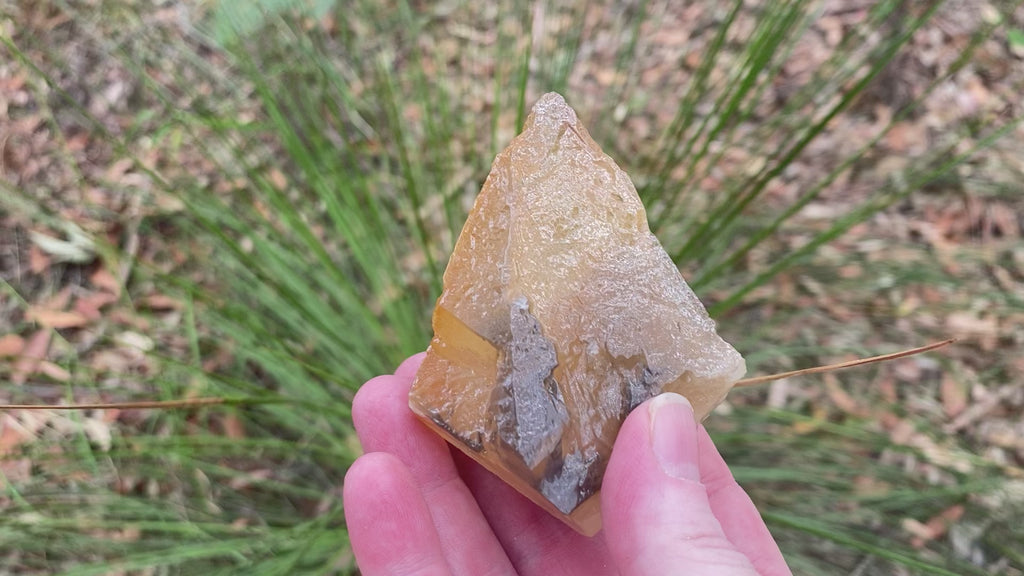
[[58, 301], [941, 522], [134, 340], [98, 432], [56, 318], [233, 427], [870, 486], [936, 527], [242, 482], [278, 179], [131, 534], [917, 529], [17, 470], [967, 325], [901, 431], [160, 302], [110, 415], [78, 248], [778, 393], [53, 371], [11, 434], [11, 345], [907, 370], [119, 168], [38, 261], [954, 396], [818, 418], [90, 306], [851, 271], [841, 398], [128, 318], [113, 360], [31, 356], [104, 280], [887, 388]]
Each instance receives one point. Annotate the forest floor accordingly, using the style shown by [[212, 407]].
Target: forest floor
[[946, 262]]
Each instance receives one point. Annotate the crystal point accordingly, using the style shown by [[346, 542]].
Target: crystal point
[[561, 312]]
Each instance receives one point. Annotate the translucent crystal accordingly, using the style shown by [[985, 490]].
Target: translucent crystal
[[561, 312]]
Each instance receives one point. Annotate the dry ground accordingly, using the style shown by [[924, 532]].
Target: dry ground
[[946, 262]]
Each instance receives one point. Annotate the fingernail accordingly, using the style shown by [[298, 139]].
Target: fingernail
[[674, 436]]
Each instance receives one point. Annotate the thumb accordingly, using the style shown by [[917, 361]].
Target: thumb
[[657, 517]]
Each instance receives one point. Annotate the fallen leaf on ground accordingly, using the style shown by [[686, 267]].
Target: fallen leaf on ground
[[53, 371], [31, 356], [16, 471], [935, 527], [160, 302], [104, 280], [78, 248], [90, 306], [98, 432], [11, 345], [917, 530], [11, 434], [38, 261], [58, 301], [135, 340], [242, 482], [233, 427], [841, 398], [56, 318], [954, 396], [967, 325]]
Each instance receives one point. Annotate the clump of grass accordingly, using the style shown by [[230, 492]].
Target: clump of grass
[[325, 161]]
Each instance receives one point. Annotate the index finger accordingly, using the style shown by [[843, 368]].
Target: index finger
[[737, 514], [385, 423]]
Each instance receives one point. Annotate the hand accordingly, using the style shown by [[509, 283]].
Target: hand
[[669, 503]]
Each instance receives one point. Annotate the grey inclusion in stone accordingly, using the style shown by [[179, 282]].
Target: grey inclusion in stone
[[530, 410], [473, 440], [641, 383], [571, 480]]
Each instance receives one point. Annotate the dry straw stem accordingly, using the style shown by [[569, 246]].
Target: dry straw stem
[[140, 405], [829, 368], [199, 402]]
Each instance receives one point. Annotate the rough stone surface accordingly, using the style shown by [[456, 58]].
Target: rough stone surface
[[561, 312]]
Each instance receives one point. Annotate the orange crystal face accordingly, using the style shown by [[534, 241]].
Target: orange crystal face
[[561, 312]]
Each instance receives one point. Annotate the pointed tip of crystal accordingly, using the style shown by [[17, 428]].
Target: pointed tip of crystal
[[552, 107]]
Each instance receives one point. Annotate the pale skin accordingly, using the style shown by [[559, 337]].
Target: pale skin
[[670, 505]]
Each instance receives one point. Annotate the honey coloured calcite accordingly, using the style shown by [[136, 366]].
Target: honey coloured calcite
[[561, 312]]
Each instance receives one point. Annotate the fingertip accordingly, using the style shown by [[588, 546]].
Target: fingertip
[[674, 436], [384, 423], [366, 467], [371, 476], [389, 524], [626, 462], [409, 367], [374, 398], [656, 512], [737, 514]]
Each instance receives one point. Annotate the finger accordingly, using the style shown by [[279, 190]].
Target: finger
[[535, 541], [388, 522], [408, 368], [738, 516], [657, 516], [385, 423]]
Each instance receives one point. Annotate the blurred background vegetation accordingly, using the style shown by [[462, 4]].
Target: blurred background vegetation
[[256, 201]]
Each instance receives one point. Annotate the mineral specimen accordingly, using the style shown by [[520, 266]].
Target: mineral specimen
[[561, 312]]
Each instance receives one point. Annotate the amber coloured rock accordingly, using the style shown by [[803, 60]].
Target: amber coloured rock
[[561, 312]]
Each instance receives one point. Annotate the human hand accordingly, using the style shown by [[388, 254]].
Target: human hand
[[669, 503]]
